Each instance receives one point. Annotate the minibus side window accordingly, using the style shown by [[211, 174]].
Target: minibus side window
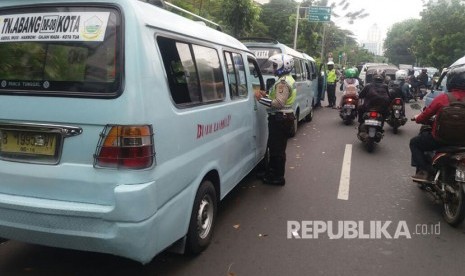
[[210, 73], [256, 77], [308, 71], [297, 71], [236, 75], [194, 72]]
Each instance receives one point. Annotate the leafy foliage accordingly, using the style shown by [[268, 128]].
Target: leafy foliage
[[400, 41], [277, 20], [240, 16], [434, 40]]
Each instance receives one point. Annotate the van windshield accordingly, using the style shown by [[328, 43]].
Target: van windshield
[[262, 54], [64, 51]]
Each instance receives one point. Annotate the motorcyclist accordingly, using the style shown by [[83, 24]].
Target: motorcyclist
[[425, 140], [399, 89], [423, 77], [400, 81], [375, 95], [422, 81], [350, 85]]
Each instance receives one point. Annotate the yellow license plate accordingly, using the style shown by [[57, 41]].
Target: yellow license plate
[[27, 142]]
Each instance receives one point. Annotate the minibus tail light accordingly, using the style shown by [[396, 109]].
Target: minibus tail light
[[125, 147]]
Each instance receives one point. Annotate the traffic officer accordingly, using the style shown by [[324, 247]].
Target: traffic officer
[[280, 116], [331, 78]]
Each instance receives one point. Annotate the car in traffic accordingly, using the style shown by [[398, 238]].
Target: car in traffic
[[440, 87]]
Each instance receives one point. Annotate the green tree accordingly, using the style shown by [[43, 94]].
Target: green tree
[[440, 35], [240, 16], [399, 43], [277, 16]]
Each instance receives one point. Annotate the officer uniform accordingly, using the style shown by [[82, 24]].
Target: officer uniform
[[331, 87], [280, 120]]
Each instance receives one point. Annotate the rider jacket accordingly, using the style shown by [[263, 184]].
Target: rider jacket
[[435, 107], [375, 95]]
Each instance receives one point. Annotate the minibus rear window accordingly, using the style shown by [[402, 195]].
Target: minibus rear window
[[262, 54], [61, 51]]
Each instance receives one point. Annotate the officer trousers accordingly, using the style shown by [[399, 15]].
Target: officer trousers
[[278, 133], [331, 89]]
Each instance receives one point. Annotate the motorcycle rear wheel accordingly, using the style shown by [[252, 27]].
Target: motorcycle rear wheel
[[369, 145], [454, 205]]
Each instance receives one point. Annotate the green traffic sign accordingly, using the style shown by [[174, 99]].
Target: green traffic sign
[[319, 14]]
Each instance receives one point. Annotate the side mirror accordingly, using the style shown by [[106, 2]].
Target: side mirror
[[269, 83]]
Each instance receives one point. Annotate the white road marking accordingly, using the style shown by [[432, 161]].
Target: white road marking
[[344, 182]]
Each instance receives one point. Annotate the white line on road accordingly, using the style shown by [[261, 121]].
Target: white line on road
[[344, 182]]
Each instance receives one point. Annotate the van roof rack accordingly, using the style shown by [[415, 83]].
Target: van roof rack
[[259, 39], [167, 6]]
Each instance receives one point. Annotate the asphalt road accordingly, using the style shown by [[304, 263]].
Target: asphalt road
[[352, 213]]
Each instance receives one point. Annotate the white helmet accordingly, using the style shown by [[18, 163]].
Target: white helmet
[[285, 63], [330, 63], [401, 75]]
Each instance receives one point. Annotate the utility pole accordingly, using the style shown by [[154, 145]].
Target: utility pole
[[323, 43], [296, 26]]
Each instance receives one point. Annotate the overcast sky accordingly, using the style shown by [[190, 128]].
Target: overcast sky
[[384, 13]]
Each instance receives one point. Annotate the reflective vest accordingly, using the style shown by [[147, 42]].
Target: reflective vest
[[291, 82], [331, 76]]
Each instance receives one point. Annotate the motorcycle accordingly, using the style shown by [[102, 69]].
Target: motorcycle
[[371, 130], [448, 183], [416, 91], [396, 117], [348, 111]]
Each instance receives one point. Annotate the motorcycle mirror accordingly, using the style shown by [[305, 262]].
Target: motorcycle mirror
[[415, 106]]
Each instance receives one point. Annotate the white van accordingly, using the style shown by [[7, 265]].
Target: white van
[[363, 72], [304, 73], [122, 125]]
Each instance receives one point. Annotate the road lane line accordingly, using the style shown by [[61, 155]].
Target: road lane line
[[344, 182]]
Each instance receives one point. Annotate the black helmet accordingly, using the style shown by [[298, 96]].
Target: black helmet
[[379, 75], [456, 78]]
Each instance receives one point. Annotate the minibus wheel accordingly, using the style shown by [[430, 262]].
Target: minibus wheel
[[294, 125], [203, 218]]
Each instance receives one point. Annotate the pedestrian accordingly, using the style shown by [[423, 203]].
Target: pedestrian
[[331, 78], [280, 117]]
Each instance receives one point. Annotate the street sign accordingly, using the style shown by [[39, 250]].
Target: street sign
[[319, 14]]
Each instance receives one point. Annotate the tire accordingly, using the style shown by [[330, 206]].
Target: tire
[[454, 205], [395, 130], [370, 145], [203, 219], [309, 117], [294, 125]]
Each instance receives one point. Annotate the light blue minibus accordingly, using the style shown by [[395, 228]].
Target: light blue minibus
[[122, 125], [304, 73]]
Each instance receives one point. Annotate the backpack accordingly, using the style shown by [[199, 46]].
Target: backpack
[[378, 98], [450, 123]]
